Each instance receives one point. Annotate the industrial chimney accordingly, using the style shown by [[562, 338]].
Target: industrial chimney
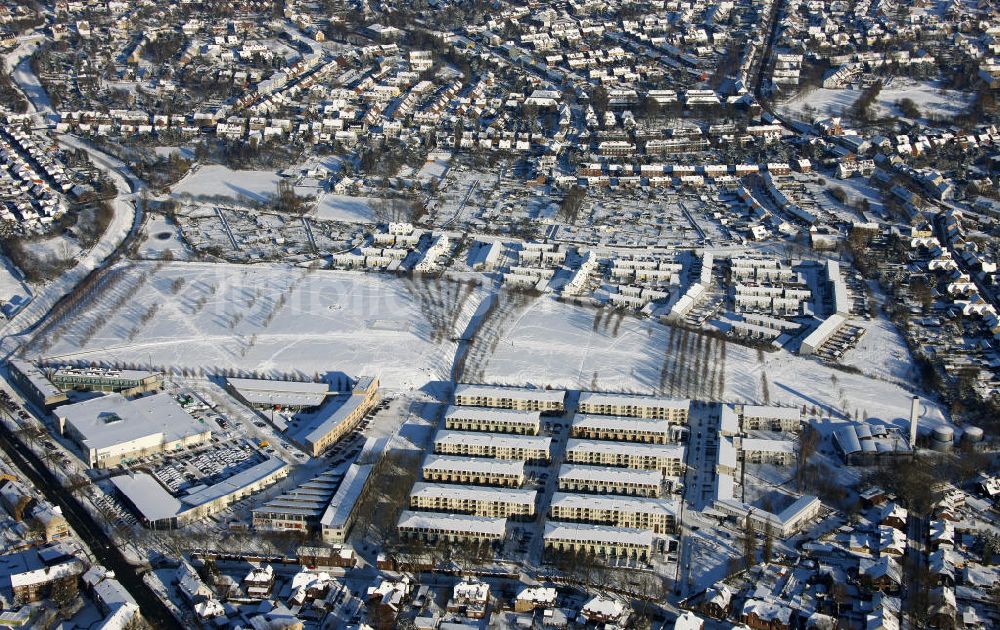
[[914, 417]]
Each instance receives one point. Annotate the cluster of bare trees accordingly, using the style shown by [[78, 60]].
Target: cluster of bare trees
[[386, 495], [441, 302], [694, 365], [506, 308]]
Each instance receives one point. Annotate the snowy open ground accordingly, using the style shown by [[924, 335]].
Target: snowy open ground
[[331, 207], [929, 99], [272, 319], [554, 343], [218, 181]]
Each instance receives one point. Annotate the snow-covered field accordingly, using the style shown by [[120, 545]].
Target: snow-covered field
[[272, 320], [554, 343], [346, 208], [215, 180], [929, 99]]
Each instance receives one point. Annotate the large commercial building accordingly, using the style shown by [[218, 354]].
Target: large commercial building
[[783, 524], [674, 411], [492, 420], [159, 509], [124, 382], [35, 385], [477, 500], [602, 541], [610, 480], [624, 428], [473, 470], [668, 459], [767, 418], [658, 515], [111, 429], [434, 527], [522, 398], [498, 445], [320, 431]]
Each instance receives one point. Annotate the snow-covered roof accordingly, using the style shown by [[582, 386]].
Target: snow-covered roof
[[438, 521], [614, 503], [495, 494], [609, 474], [631, 400], [516, 393], [557, 530], [675, 451], [496, 440], [590, 421], [481, 465], [486, 414]]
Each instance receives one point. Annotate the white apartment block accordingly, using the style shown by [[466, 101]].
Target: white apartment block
[[595, 427], [521, 398], [658, 515], [492, 420], [602, 541], [674, 411], [767, 418], [668, 459], [433, 527], [609, 480], [476, 500], [498, 445], [777, 452], [473, 470]]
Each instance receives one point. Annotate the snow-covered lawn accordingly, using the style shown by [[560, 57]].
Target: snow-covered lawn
[[929, 98], [215, 180], [555, 343], [273, 320], [346, 208]]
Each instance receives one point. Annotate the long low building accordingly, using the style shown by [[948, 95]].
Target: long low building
[[498, 445], [596, 427], [667, 458], [610, 480], [768, 418], [159, 509], [783, 524], [522, 398], [477, 500], [435, 527], [341, 512], [674, 411], [125, 382], [324, 428], [35, 385], [492, 420], [111, 429], [659, 515], [473, 470], [601, 541], [827, 328], [301, 508], [271, 394]]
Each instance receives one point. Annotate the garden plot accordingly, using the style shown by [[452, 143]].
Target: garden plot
[[270, 320]]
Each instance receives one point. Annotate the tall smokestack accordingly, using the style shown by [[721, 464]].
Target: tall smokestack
[[914, 418]]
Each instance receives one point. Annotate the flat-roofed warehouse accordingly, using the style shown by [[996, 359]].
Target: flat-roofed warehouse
[[610, 480], [477, 500], [111, 429], [768, 418], [626, 429], [675, 411], [434, 527], [603, 541], [499, 445], [658, 515], [667, 458], [270, 394], [522, 398], [341, 512], [474, 470], [492, 420], [159, 509]]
